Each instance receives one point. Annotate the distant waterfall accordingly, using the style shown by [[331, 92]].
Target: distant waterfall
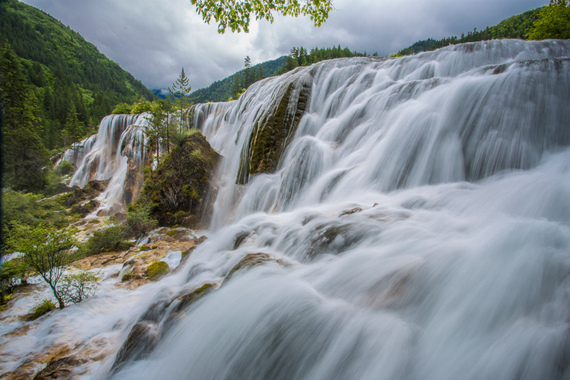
[[117, 148], [416, 226]]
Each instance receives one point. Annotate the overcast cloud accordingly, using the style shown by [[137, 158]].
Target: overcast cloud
[[154, 39]]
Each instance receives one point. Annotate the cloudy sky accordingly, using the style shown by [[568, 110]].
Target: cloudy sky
[[154, 39]]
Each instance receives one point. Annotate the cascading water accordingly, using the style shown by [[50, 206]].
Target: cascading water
[[117, 152], [416, 226]]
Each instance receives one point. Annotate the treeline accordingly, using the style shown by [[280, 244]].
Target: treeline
[[299, 56], [512, 27], [72, 82], [231, 86]]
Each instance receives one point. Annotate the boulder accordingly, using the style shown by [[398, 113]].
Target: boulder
[[180, 191]]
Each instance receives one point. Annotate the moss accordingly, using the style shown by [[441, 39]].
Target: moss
[[178, 192], [274, 131], [127, 277], [188, 252], [144, 248], [156, 270]]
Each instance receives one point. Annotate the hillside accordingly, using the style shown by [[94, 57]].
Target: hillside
[[65, 72], [513, 27], [221, 90]]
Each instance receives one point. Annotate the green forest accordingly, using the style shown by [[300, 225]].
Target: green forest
[[70, 81], [234, 85], [552, 21]]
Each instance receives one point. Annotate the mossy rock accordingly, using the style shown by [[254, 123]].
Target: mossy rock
[[157, 270], [180, 190], [275, 129]]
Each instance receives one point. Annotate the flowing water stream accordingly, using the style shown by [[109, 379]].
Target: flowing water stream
[[417, 226]]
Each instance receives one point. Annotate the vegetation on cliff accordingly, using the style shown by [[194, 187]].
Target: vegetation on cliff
[[178, 190], [274, 130]]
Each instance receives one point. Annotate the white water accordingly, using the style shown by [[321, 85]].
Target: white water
[[119, 143], [454, 264]]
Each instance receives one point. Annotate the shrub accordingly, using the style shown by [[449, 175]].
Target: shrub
[[107, 239], [157, 270], [65, 168], [122, 108], [41, 308], [139, 221], [77, 287]]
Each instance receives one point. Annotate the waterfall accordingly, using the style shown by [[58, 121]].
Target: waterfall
[[116, 153], [377, 218], [416, 225]]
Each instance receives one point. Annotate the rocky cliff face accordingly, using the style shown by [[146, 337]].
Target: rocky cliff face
[[181, 189]]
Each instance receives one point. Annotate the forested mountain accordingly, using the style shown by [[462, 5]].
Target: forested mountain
[[222, 90], [235, 84], [513, 27], [70, 79]]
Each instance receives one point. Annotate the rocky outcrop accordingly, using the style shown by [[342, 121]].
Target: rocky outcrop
[[275, 128], [181, 190]]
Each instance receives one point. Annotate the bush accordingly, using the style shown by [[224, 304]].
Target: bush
[[157, 270], [122, 108], [77, 287], [139, 221], [65, 168], [107, 239], [41, 308]]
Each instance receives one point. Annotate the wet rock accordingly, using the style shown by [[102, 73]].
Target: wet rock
[[249, 261], [59, 369], [351, 211], [87, 193], [241, 238], [275, 129], [142, 339]]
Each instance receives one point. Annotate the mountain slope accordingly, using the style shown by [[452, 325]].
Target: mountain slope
[[221, 90], [66, 72], [512, 27]]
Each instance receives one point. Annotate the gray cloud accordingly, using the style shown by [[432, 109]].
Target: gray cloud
[[154, 39]]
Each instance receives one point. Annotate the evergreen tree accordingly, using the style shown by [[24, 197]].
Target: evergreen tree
[[553, 22], [24, 154]]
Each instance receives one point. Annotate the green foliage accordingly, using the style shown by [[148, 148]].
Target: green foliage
[[156, 270], [553, 22], [65, 168], [65, 73], [236, 15], [169, 189], [299, 56], [122, 108], [139, 221], [75, 288], [14, 270], [30, 209], [141, 106], [24, 154], [41, 308], [46, 250], [178, 137], [513, 27], [107, 239]]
